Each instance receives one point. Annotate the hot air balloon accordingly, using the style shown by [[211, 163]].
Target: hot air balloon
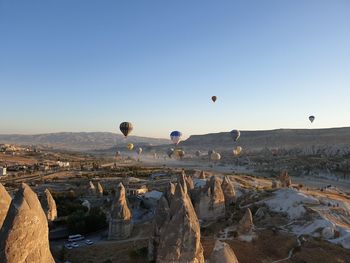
[[130, 146], [235, 134], [311, 118], [126, 128], [237, 151], [175, 136], [198, 153], [180, 153], [139, 150], [210, 153], [215, 156], [213, 98], [170, 152]]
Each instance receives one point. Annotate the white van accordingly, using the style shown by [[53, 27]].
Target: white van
[[74, 238]]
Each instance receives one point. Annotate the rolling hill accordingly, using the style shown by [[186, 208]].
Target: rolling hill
[[79, 141]]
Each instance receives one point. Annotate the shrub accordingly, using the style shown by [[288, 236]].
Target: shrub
[[81, 222]]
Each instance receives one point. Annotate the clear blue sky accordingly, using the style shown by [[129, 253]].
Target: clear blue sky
[[80, 65]]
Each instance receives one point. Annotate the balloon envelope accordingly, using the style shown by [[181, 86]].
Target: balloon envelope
[[312, 118], [126, 128], [180, 153], [215, 156], [175, 136], [130, 146], [235, 134], [170, 152], [237, 151], [213, 98]]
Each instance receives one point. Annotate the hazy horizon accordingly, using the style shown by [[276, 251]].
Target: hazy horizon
[[167, 137], [87, 66]]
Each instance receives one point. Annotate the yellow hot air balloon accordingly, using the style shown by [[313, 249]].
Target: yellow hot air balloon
[[215, 156], [130, 146], [237, 151]]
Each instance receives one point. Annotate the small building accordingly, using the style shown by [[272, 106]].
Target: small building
[[136, 190], [3, 171], [63, 164]]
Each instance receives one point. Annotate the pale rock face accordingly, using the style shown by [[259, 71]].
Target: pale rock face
[[222, 253], [99, 189], [209, 201], [186, 182], [245, 225], [180, 235], [162, 215], [170, 192], [120, 223], [229, 191], [5, 200], [24, 237], [49, 206]]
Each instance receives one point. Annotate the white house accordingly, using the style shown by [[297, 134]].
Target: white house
[[3, 171]]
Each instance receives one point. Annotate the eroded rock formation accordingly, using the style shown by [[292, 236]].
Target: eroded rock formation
[[24, 237], [202, 175], [209, 201], [222, 253], [162, 215], [99, 189], [5, 200], [120, 223], [180, 235], [245, 225], [285, 179], [92, 188], [49, 206], [229, 192]]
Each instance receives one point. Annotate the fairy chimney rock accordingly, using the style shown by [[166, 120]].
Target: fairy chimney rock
[[229, 191], [120, 223], [24, 236], [162, 216], [209, 201], [245, 225], [5, 200], [202, 175], [49, 206], [180, 236], [222, 253], [285, 179], [99, 189], [170, 192], [92, 188]]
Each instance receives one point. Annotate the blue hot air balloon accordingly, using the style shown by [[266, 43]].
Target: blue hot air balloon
[[175, 136]]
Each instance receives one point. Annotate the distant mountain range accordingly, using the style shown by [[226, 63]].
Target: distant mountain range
[[281, 138], [249, 140], [80, 141]]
